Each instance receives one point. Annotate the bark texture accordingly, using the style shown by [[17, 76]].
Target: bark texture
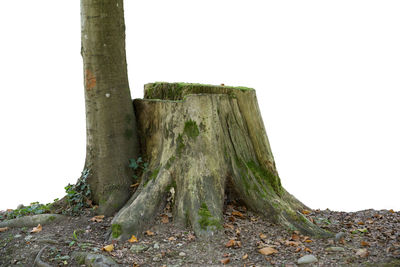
[[207, 143], [110, 119]]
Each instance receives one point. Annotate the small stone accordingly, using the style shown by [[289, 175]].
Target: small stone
[[335, 249], [17, 236], [307, 259], [138, 248], [339, 236], [156, 258], [156, 246], [28, 238], [20, 206], [182, 254]]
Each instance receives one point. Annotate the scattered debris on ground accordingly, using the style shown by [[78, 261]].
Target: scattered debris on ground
[[367, 237]]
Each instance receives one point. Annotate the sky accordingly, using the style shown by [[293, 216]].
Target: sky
[[327, 75]]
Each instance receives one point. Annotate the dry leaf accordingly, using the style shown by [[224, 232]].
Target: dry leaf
[[3, 229], [362, 253], [365, 244], [191, 237], [9, 210], [305, 238], [298, 250], [231, 218], [172, 238], [108, 248], [262, 236], [308, 241], [238, 244], [292, 243], [37, 229], [237, 231], [370, 221], [267, 251], [225, 261], [245, 256], [305, 212], [237, 213], [391, 211], [295, 237], [149, 233], [164, 218], [133, 239], [360, 223], [230, 243], [98, 218], [228, 225], [307, 250]]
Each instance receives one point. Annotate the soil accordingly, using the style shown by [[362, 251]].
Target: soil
[[366, 238]]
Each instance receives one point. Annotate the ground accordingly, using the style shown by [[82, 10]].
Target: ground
[[366, 238]]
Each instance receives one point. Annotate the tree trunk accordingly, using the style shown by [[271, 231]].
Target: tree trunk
[[206, 142], [110, 119]]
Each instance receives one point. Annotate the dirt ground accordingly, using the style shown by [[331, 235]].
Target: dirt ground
[[364, 238]]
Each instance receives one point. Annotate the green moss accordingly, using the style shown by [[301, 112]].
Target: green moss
[[128, 133], [52, 218], [116, 230], [206, 219], [178, 91], [154, 174], [265, 175], [179, 145], [191, 129], [170, 162], [171, 185]]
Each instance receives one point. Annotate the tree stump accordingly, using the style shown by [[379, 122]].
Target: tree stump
[[206, 142]]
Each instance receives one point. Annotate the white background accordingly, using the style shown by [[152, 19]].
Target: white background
[[327, 75]]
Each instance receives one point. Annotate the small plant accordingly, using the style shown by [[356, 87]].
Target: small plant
[[33, 209], [79, 194], [138, 167]]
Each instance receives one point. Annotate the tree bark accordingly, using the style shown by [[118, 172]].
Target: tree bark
[[208, 143], [110, 119]]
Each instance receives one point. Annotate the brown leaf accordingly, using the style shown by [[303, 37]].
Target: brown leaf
[[305, 212], [295, 237], [108, 248], [262, 236], [267, 251], [292, 243], [305, 238], [238, 244], [308, 240], [98, 218], [237, 231], [37, 229], [298, 249], [231, 218], [362, 253], [230, 243], [228, 225], [149, 233], [360, 223], [164, 218], [370, 221], [133, 239], [172, 238], [391, 211], [225, 261], [237, 214], [191, 237], [307, 250], [4, 229], [365, 244], [245, 256]]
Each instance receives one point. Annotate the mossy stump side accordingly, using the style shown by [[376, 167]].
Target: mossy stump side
[[204, 141]]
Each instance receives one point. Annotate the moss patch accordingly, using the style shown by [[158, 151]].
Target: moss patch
[[206, 219], [154, 174], [116, 230], [191, 129], [179, 145], [265, 175]]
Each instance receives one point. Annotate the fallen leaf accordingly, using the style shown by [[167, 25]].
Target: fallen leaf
[[295, 237], [305, 238], [362, 253], [3, 229], [267, 251], [225, 261], [9, 210], [228, 225], [307, 250], [98, 218], [391, 211], [37, 229], [191, 237], [245, 256], [226, 255], [230, 243], [108, 248], [365, 244], [305, 212], [308, 240], [172, 238], [237, 231], [149, 233], [360, 223], [238, 244], [164, 218], [237, 214], [262, 236], [298, 250], [370, 221], [133, 239], [292, 243]]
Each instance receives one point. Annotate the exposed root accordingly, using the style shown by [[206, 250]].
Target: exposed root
[[38, 262]]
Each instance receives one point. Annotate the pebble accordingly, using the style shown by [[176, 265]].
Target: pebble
[[307, 259], [17, 236], [28, 238], [138, 248], [339, 236], [156, 246], [182, 254], [335, 249]]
